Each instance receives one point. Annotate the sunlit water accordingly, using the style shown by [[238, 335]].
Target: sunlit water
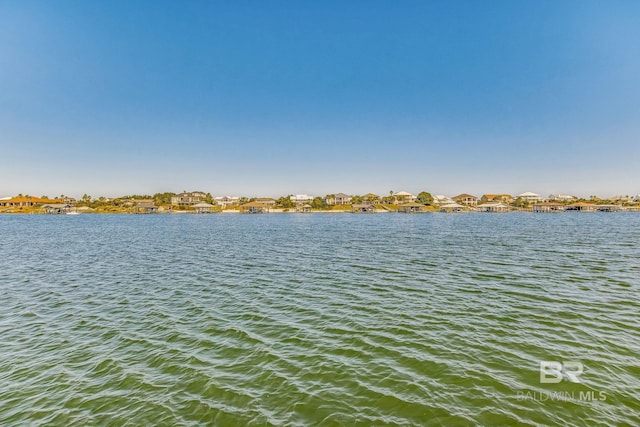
[[318, 319]]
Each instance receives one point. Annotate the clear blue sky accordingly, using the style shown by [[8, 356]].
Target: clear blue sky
[[279, 97]]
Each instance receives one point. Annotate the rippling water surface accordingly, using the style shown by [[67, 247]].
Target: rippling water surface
[[318, 319]]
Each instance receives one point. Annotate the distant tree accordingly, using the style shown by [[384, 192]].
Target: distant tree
[[425, 198], [208, 198], [86, 198], [388, 200], [163, 198], [44, 197], [357, 200], [285, 203], [520, 203], [318, 203]]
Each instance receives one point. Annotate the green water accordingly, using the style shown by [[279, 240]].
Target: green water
[[318, 319]]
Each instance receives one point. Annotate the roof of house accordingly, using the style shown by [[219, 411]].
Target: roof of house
[[528, 194], [464, 196], [202, 205], [582, 204], [402, 193], [25, 199], [342, 195]]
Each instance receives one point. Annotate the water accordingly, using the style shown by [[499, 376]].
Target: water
[[318, 319]]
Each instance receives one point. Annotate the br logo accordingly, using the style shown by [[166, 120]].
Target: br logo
[[554, 372]]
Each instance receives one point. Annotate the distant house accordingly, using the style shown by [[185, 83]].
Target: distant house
[[529, 197], [145, 208], [188, 198], [226, 201], [466, 199], [442, 200], [494, 198], [338, 199], [202, 208], [621, 199], [492, 207], [404, 197], [561, 198], [20, 201], [363, 208], [301, 199], [371, 198]]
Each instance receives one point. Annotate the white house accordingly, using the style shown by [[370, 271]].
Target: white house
[[301, 199], [404, 197], [561, 198], [439, 199], [529, 197], [188, 198], [226, 201], [338, 199]]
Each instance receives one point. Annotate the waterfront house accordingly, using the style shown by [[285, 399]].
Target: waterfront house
[[495, 198], [492, 207], [412, 207], [466, 199], [301, 199], [561, 198], [545, 207], [254, 207], [529, 197], [203, 208], [226, 201], [439, 199], [338, 199], [371, 198], [404, 197], [25, 201], [363, 208], [145, 208], [187, 198]]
